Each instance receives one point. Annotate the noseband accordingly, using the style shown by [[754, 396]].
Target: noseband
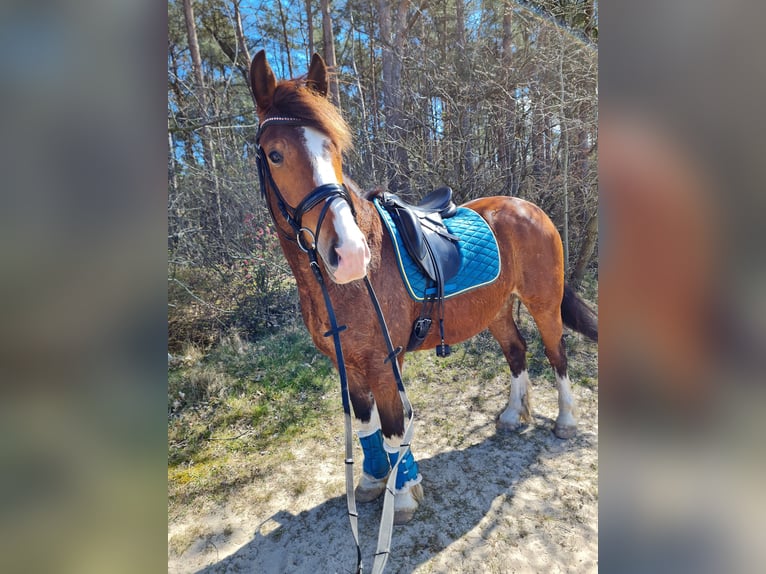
[[326, 193]]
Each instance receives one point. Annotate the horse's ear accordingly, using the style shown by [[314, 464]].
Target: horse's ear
[[262, 81], [317, 78]]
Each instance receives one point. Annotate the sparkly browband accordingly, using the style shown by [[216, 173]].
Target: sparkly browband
[[278, 120]]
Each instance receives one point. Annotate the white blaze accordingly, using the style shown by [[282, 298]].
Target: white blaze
[[345, 226], [319, 152], [352, 249]]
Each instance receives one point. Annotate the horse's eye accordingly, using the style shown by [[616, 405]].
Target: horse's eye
[[275, 157]]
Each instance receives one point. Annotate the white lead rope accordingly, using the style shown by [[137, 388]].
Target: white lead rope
[[387, 516]]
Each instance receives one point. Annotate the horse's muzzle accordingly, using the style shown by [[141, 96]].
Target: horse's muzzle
[[352, 262], [348, 257]]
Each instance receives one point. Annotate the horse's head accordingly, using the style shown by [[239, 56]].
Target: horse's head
[[301, 141]]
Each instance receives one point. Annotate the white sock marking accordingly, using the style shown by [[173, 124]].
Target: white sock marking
[[371, 427], [392, 444], [566, 416], [512, 414]]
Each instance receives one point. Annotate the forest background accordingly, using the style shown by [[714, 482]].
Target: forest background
[[489, 97]]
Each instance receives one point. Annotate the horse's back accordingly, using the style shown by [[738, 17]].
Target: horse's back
[[513, 208], [530, 245]]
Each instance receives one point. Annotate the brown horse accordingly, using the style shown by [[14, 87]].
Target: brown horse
[[302, 139]]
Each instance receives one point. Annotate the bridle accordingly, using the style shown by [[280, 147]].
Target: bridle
[[328, 193]]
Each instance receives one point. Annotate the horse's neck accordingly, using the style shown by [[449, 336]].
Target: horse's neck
[[368, 221]]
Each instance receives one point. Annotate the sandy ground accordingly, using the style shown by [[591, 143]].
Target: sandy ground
[[494, 502]]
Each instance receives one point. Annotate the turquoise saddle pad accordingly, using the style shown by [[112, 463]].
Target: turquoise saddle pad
[[480, 258]]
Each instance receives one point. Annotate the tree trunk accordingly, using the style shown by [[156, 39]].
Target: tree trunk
[[565, 159], [241, 39], [507, 135], [537, 141], [213, 207], [586, 251], [310, 28], [464, 79], [393, 38], [328, 45], [180, 116], [172, 193], [283, 21], [370, 157]]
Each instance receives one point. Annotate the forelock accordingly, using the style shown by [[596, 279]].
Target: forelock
[[294, 99]]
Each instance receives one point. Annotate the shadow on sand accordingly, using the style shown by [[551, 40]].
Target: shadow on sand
[[460, 489]]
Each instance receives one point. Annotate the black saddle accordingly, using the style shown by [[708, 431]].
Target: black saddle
[[424, 234], [432, 247]]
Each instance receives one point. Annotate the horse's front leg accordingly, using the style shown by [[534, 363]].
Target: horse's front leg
[[375, 464], [409, 491], [380, 428]]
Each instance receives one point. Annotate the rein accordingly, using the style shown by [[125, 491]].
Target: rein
[[328, 193]]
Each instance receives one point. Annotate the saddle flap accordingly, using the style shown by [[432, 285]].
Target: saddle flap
[[412, 232], [426, 238], [445, 253]]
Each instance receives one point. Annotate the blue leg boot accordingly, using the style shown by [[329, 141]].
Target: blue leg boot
[[408, 468], [409, 491], [375, 468]]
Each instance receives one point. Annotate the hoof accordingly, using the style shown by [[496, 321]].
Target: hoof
[[510, 420], [369, 488], [407, 502], [504, 426], [565, 431], [514, 423], [514, 418]]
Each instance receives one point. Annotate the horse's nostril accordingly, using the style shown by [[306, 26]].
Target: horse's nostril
[[333, 258]]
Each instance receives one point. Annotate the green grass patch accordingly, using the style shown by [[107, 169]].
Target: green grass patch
[[227, 409], [235, 413]]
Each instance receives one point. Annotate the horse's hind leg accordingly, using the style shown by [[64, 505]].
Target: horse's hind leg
[[504, 330], [547, 316]]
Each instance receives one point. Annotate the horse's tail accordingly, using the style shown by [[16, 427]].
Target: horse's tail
[[577, 315]]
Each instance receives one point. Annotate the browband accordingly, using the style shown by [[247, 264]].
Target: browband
[[277, 120]]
